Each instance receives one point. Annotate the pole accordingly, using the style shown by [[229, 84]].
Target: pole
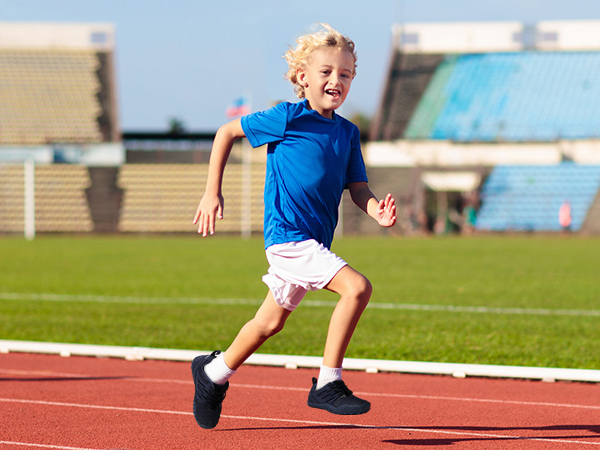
[[29, 199], [246, 189], [339, 231], [246, 225]]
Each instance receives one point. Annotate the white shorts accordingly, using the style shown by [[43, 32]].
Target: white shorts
[[299, 267]]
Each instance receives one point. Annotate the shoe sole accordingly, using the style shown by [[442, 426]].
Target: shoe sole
[[343, 410], [204, 425]]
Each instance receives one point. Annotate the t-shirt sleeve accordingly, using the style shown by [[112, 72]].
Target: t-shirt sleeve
[[356, 171], [265, 126]]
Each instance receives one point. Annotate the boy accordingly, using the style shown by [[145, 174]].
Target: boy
[[312, 155]]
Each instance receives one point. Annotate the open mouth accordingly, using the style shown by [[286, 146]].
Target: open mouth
[[333, 92]]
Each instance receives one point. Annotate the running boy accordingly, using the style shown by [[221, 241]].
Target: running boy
[[312, 155]]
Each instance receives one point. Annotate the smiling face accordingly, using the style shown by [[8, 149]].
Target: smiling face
[[326, 79]]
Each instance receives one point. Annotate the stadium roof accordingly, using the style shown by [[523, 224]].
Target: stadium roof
[[475, 37], [99, 36]]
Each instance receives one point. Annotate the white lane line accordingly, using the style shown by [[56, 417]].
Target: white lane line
[[311, 303], [416, 430], [298, 389], [432, 397], [133, 300], [79, 405], [40, 372], [29, 444], [484, 400], [80, 376], [306, 422]]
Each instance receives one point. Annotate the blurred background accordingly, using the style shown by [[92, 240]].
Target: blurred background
[[478, 116]]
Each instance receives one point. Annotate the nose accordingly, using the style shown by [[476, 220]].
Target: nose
[[336, 79]]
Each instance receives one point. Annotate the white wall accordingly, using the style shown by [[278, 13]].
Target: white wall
[[458, 37], [101, 155], [449, 154], [573, 35], [57, 35], [476, 37]]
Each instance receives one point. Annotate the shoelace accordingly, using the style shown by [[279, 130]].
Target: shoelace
[[212, 398], [334, 390]]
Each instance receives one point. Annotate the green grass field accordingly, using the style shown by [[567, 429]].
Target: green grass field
[[539, 296]]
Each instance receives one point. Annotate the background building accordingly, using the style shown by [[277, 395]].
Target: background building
[[481, 127], [502, 117]]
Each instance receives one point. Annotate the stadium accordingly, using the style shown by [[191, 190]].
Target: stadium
[[488, 136], [471, 121], [500, 115]]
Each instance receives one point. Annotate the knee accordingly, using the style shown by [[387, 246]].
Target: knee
[[268, 328], [361, 289], [365, 290]]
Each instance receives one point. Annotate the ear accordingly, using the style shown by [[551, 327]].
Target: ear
[[301, 76]]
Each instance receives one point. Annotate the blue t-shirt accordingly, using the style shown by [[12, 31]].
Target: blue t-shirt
[[310, 160]]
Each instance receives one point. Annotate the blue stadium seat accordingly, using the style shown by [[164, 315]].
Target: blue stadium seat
[[527, 198], [526, 96]]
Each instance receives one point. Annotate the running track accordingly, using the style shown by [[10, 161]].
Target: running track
[[52, 402]]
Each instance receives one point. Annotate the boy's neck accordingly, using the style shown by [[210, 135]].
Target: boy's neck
[[327, 114]]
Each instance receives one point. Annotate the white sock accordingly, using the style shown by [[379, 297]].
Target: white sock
[[327, 375], [217, 371]]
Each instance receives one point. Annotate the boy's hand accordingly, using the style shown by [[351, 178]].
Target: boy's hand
[[386, 211], [209, 209]]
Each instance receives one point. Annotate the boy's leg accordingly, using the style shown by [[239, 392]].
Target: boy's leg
[[355, 291], [330, 392], [268, 321], [209, 395]]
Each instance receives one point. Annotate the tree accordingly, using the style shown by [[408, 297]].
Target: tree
[[363, 123], [176, 126]]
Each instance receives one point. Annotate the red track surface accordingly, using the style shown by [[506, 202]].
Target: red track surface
[[91, 403]]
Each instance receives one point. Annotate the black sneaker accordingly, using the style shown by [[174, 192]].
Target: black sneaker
[[209, 396], [336, 398]]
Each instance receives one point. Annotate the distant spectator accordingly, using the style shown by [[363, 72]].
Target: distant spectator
[[470, 216], [564, 217], [440, 225], [414, 220]]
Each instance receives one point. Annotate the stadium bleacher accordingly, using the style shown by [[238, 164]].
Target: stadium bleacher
[[61, 204], [164, 197], [58, 110], [57, 84], [528, 198], [515, 102], [499, 99], [49, 96], [409, 77], [526, 96]]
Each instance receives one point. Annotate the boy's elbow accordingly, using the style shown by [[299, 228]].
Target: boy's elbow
[[358, 191], [361, 196], [231, 131]]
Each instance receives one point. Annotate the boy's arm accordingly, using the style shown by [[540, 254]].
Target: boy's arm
[[211, 204], [383, 211]]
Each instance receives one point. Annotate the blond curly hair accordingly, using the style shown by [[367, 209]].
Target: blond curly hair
[[298, 57]]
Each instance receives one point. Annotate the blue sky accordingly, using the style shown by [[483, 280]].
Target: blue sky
[[190, 58]]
